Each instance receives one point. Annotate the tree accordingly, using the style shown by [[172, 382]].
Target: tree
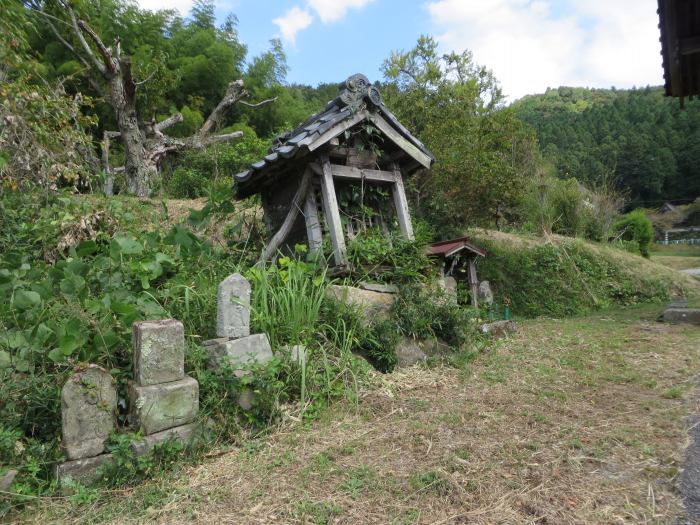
[[456, 107], [110, 72]]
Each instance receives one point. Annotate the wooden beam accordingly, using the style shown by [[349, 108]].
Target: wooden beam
[[351, 173], [473, 283], [298, 200], [690, 45], [401, 204], [332, 212], [401, 142], [313, 226], [337, 130]]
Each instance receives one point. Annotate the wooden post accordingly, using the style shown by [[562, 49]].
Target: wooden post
[[473, 283], [332, 213], [313, 226], [401, 204]]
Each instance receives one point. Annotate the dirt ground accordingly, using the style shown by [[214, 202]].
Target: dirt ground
[[569, 421]]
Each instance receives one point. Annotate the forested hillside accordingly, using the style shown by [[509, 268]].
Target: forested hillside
[[638, 138]]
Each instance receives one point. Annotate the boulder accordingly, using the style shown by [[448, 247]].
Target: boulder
[[88, 408], [6, 480], [499, 328], [233, 307], [682, 315], [166, 405], [485, 293], [409, 353], [159, 351], [373, 304]]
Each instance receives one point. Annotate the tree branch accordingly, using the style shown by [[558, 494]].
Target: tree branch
[[102, 68], [170, 121], [257, 105], [213, 139], [234, 93]]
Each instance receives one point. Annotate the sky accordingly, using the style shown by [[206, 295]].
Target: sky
[[530, 45]]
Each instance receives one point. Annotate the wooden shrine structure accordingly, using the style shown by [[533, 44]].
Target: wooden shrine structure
[[354, 139], [679, 22], [458, 256]]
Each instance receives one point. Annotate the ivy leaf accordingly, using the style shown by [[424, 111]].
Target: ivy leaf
[[86, 248], [56, 356], [5, 360], [126, 245]]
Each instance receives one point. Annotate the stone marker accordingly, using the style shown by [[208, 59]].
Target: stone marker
[[233, 307], [182, 433], [409, 353], [159, 351], [159, 407], [373, 304], [485, 293], [682, 315], [240, 352], [83, 470], [88, 407]]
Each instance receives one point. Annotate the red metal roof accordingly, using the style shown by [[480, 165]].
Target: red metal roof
[[452, 246]]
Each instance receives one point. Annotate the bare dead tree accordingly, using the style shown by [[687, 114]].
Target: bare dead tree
[[145, 144]]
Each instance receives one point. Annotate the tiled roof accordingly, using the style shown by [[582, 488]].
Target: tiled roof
[[294, 144], [452, 246]]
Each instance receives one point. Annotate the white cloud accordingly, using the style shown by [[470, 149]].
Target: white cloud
[[334, 10], [530, 47], [292, 22]]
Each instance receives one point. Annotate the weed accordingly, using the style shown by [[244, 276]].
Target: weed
[[432, 481]]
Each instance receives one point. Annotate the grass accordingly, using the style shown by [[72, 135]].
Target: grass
[[586, 425]]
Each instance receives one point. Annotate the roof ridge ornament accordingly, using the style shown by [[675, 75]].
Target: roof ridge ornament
[[355, 89]]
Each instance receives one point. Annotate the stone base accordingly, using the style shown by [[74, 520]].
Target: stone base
[[499, 328], [239, 352], [184, 433], [682, 315], [81, 470], [167, 405]]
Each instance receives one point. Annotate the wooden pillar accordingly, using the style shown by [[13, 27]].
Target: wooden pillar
[[473, 282], [332, 213], [313, 226], [401, 204]]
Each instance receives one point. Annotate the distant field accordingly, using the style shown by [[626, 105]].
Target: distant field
[[676, 250]]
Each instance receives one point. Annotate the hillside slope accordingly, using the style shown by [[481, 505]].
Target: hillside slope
[[562, 276]]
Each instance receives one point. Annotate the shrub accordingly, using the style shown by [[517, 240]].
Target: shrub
[[186, 183], [636, 226]]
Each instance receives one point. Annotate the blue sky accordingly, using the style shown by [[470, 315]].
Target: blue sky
[[529, 44]]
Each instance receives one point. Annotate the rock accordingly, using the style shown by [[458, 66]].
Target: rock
[[240, 352], [499, 328], [485, 293], [88, 407], [297, 353], [408, 353], [159, 351], [7, 479], [381, 288], [83, 470], [682, 315], [185, 433], [233, 307], [373, 304], [449, 286], [246, 398], [167, 405]]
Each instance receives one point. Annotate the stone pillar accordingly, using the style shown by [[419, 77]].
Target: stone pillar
[[233, 307], [161, 397], [88, 410], [234, 344]]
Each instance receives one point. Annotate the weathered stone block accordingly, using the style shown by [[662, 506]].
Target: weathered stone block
[[374, 305], [382, 288], [682, 315], [167, 405], [6, 480], [409, 353], [233, 307], [240, 352], [184, 433], [159, 351], [485, 293], [83, 470], [88, 407]]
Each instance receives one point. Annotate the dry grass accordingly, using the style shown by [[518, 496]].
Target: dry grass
[[570, 421]]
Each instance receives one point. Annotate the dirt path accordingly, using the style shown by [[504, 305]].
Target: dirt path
[[570, 421]]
